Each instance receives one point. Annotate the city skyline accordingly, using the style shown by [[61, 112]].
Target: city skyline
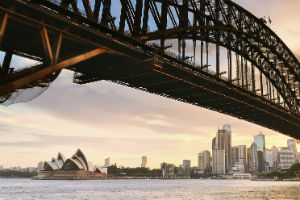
[[105, 119], [193, 162]]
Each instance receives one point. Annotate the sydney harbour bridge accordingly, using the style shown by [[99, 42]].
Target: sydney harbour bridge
[[209, 53]]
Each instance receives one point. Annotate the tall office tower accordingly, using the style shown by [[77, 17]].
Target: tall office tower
[[259, 140], [234, 155], [269, 161], [144, 162], [275, 157], [253, 158], [223, 142], [218, 159], [107, 162], [204, 162], [242, 154], [201, 162]]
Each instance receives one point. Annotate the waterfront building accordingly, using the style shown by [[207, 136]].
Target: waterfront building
[[186, 164], [204, 162], [269, 161], [221, 150], [107, 162], [253, 158], [234, 155], [259, 140], [218, 162], [241, 159], [144, 162], [242, 154], [275, 158], [288, 155], [60, 168], [292, 145], [167, 170]]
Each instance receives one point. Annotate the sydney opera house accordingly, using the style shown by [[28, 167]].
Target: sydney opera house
[[74, 168]]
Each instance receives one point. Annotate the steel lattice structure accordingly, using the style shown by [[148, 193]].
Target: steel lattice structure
[[261, 83]]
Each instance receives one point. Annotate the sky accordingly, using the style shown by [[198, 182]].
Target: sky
[[104, 119]]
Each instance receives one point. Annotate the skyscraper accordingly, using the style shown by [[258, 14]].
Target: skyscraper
[[144, 162], [222, 142], [259, 140], [107, 162], [204, 162], [275, 157], [253, 158], [218, 159]]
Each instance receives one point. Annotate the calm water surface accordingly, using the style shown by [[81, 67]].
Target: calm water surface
[[25, 189]]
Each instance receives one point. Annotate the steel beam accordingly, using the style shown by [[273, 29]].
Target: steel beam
[[27, 79], [47, 46], [3, 27]]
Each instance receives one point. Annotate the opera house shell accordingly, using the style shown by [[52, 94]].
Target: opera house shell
[[74, 168]]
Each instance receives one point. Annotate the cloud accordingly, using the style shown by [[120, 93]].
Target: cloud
[[106, 143]]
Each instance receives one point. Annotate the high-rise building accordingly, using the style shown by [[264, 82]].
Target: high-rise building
[[204, 162], [218, 159], [186, 163], [144, 162], [275, 157], [241, 159], [234, 155], [242, 154], [269, 161], [222, 144], [288, 155], [167, 170], [259, 140], [107, 162], [253, 158], [187, 168]]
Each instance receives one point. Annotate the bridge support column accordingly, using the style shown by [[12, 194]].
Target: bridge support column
[[4, 70], [51, 54], [3, 27]]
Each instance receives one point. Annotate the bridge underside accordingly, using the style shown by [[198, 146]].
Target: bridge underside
[[123, 63]]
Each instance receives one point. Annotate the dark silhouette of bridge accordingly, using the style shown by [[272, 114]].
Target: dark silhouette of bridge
[[210, 53]]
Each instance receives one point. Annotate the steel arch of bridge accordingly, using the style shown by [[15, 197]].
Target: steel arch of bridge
[[219, 22]]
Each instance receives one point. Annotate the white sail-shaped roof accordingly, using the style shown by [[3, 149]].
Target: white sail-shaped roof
[[61, 156], [81, 157], [50, 166], [76, 162], [73, 164]]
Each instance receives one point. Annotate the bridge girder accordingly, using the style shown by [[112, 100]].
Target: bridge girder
[[220, 22]]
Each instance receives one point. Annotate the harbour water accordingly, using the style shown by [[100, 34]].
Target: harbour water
[[26, 189]]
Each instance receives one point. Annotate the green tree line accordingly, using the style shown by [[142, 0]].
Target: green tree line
[[292, 172], [17, 174], [137, 172]]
